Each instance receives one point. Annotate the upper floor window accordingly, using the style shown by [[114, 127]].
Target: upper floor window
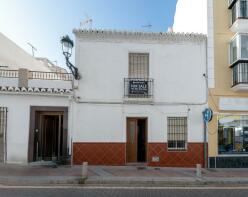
[[138, 84], [177, 133], [243, 8], [138, 65], [239, 48], [239, 9]]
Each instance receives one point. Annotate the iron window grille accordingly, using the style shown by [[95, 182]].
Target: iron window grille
[[138, 84], [138, 65], [177, 133]]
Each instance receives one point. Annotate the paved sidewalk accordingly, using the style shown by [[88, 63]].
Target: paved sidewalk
[[119, 176], [129, 175]]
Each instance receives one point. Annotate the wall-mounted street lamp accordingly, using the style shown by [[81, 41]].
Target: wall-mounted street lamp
[[67, 45]]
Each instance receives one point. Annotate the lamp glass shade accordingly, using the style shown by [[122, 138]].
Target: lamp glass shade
[[67, 45]]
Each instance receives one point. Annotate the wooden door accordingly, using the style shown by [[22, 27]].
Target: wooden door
[[131, 145], [49, 137]]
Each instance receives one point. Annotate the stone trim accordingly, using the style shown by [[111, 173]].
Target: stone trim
[[98, 34]]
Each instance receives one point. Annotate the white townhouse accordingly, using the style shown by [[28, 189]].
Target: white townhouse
[[140, 98]]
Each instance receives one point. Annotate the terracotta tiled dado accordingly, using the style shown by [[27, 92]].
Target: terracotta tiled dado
[[99, 153], [189, 158], [114, 154]]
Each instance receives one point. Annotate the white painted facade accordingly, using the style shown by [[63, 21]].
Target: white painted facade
[[19, 100], [107, 123], [18, 120], [177, 65]]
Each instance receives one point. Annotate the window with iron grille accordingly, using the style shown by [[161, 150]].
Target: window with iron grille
[[177, 133], [138, 65]]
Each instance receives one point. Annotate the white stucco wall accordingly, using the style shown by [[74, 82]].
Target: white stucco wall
[[13, 82], [49, 83], [19, 121], [176, 67], [107, 123]]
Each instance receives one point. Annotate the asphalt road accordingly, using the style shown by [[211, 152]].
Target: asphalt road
[[123, 192]]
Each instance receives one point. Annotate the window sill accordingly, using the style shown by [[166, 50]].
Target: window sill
[[138, 99], [177, 150]]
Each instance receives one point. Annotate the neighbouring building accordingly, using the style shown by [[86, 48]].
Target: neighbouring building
[[34, 108], [140, 99], [228, 132], [34, 116], [228, 79]]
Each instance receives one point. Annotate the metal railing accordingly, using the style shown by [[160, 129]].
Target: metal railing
[[240, 73], [37, 75], [138, 87], [8, 73]]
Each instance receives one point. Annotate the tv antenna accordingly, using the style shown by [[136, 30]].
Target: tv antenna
[[148, 26], [87, 22], [33, 48]]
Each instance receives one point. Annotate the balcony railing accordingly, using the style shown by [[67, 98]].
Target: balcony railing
[[138, 87], [8, 73], [240, 73], [37, 75]]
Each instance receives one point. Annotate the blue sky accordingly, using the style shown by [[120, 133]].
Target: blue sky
[[43, 22]]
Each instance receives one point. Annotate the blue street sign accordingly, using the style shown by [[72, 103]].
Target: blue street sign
[[207, 115]]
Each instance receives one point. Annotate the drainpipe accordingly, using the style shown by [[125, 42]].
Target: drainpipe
[[205, 124]]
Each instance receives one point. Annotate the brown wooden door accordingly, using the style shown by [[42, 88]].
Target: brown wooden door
[[131, 146], [49, 136]]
